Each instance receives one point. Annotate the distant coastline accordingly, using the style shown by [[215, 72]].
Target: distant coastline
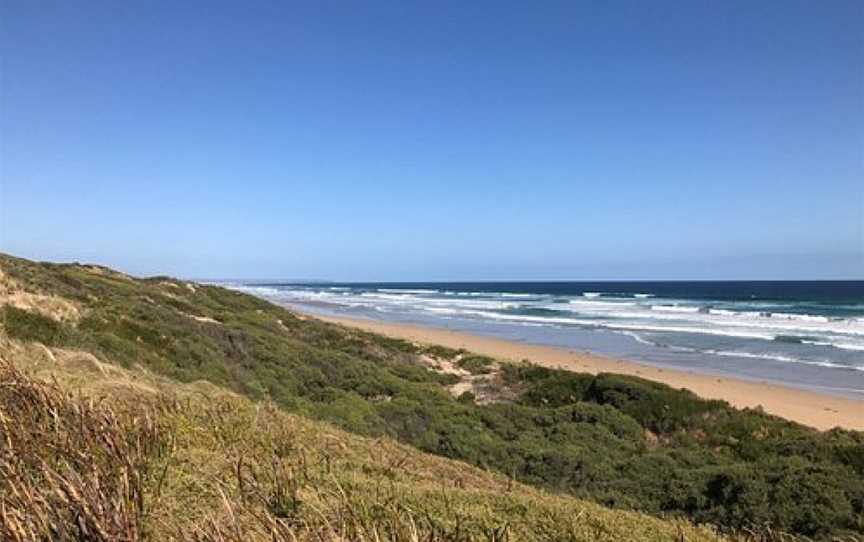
[[799, 334], [821, 411]]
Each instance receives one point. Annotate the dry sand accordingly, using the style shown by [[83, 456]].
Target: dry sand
[[806, 407]]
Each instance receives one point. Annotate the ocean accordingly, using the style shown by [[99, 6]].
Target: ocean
[[806, 334]]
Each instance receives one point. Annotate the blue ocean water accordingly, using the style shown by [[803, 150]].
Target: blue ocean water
[[807, 334]]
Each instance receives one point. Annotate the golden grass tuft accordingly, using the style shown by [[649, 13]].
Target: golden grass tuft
[[70, 470]]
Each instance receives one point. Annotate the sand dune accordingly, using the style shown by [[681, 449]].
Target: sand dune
[[806, 407]]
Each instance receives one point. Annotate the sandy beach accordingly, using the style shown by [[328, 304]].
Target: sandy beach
[[814, 409]]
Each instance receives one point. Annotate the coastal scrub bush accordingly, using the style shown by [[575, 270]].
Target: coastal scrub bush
[[27, 325], [476, 365], [441, 352]]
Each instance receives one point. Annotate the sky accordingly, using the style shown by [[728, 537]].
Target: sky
[[436, 140]]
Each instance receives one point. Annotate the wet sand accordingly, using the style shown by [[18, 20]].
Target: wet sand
[[806, 407]]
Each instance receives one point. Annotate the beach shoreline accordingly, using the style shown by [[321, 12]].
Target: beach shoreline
[[818, 410]]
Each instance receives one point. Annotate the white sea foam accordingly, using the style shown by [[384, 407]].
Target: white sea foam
[[591, 303], [389, 297], [801, 317], [638, 338], [798, 324], [849, 346], [857, 347], [441, 310], [257, 290], [406, 291], [785, 359], [643, 296], [733, 353], [798, 327], [555, 320], [727, 332], [527, 318], [591, 294], [467, 303], [673, 308]]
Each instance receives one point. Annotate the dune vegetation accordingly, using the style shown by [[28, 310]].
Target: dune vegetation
[[130, 456], [187, 411]]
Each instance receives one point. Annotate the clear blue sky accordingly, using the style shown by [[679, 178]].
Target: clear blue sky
[[436, 140]]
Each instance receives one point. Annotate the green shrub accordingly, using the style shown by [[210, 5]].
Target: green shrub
[[476, 365], [26, 325], [441, 352], [467, 397]]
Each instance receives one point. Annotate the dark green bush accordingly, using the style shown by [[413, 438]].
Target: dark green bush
[[467, 397], [27, 325], [476, 365], [441, 352]]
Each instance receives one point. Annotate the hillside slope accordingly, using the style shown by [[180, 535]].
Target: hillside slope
[[619, 441], [133, 456]]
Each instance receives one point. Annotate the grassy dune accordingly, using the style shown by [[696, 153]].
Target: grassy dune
[[131, 456], [248, 403]]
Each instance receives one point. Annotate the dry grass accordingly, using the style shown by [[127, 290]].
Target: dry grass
[[163, 461], [70, 470], [54, 307]]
